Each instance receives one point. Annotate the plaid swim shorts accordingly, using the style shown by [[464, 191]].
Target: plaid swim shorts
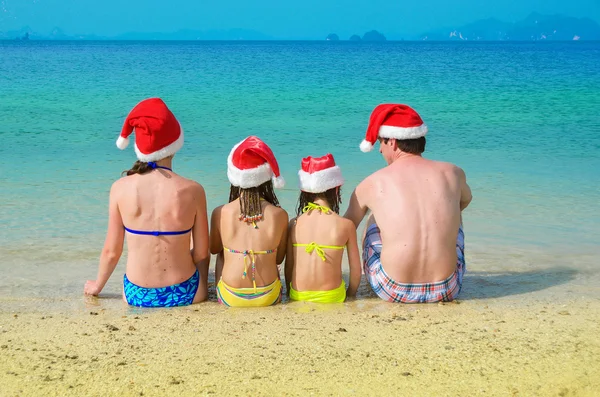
[[393, 291]]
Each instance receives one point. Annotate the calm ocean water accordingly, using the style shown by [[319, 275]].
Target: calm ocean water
[[522, 119]]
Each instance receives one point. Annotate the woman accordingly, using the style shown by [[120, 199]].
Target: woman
[[318, 236], [251, 231], [160, 212]]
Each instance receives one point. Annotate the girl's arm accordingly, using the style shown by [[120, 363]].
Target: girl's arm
[[216, 243], [353, 260], [282, 247], [289, 257], [113, 246]]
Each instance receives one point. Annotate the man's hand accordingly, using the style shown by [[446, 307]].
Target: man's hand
[[92, 288]]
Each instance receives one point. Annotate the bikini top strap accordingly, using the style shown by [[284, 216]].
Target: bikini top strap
[[154, 166], [157, 232], [319, 249], [312, 206]]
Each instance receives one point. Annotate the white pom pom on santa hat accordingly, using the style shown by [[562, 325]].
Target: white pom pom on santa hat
[[366, 146], [122, 143], [278, 182]]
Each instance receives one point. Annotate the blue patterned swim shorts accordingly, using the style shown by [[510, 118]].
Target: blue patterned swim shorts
[[181, 294]]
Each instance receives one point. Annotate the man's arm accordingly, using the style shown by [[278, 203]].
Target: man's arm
[[465, 191], [357, 207]]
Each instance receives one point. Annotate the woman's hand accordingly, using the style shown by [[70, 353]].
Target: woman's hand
[[92, 288]]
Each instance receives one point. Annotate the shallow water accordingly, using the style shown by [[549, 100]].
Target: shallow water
[[520, 118]]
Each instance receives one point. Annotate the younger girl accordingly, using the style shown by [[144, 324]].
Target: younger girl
[[317, 237]]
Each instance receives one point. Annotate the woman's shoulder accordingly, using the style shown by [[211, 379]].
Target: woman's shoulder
[[191, 186]]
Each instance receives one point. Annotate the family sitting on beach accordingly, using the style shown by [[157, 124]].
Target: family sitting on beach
[[412, 250]]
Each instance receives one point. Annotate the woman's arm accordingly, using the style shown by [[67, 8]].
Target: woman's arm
[[200, 254], [113, 246], [353, 260]]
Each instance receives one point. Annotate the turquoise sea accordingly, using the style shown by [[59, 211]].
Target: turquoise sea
[[522, 120]]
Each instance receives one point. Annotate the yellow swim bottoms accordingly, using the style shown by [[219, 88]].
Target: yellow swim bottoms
[[249, 297], [337, 295]]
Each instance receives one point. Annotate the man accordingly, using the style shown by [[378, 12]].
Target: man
[[413, 249]]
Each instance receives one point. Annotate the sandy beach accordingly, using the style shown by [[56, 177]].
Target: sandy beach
[[363, 347]]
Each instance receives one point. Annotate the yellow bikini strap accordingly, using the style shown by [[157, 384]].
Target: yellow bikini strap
[[313, 206], [317, 248]]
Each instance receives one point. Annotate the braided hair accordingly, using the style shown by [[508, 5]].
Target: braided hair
[[250, 208]]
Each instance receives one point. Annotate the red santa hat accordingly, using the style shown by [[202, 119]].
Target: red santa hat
[[157, 131], [319, 174], [393, 121], [252, 163]]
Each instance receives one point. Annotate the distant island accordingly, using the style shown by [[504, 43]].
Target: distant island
[[372, 35], [536, 27]]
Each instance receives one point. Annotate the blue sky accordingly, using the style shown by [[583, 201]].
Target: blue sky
[[283, 19]]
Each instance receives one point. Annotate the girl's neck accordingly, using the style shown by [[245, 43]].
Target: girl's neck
[[322, 201]]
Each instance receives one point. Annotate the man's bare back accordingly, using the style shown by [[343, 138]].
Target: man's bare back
[[417, 205]]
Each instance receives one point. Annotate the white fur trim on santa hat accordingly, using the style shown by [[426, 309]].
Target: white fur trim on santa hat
[[249, 178], [366, 146], [122, 143], [388, 131], [320, 181], [252, 177], [162, 153]]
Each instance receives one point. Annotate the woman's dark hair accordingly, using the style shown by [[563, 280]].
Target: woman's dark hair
[[333, 197], [250, 201], [139, 167]]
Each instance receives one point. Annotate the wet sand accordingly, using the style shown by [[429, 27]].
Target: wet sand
[[365, 347]]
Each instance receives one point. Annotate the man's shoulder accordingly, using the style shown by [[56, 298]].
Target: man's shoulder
[[371, 179], [443, 166]]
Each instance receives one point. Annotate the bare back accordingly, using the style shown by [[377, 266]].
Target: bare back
[[310, 272], [417, 205], [229, 232], [158, 201]]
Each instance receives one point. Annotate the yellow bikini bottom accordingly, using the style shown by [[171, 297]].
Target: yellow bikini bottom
[[337, 295], [249, 297]]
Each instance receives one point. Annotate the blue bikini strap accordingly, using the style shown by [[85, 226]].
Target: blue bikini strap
[[154, 166], [157, 233]]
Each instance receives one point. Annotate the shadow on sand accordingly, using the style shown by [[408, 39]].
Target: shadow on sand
[[483, 285]]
